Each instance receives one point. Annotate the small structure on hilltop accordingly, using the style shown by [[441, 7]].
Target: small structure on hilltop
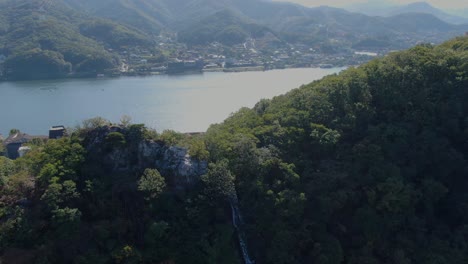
[[15, 141], [23, 151], [57, 132]]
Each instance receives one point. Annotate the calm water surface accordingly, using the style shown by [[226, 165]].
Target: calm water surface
[[186, 103]]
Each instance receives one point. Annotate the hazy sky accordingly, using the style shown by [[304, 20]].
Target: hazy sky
[[447, 4]]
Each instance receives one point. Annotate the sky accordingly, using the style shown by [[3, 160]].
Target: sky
[[444, 4]]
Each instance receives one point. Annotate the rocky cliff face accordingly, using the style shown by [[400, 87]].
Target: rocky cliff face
[[174, 163]]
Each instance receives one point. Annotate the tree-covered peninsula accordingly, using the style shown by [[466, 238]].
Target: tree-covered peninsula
[[367, 166]]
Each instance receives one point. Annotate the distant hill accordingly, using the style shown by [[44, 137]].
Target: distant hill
[[371, 7], [37, 35], [199, 20], [386, 9], [423, 7], [81, 36], [225, 27], [145, 15], [460, 12], [46, 39]]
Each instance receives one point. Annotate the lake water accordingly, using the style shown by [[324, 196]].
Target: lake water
[[186, 103]]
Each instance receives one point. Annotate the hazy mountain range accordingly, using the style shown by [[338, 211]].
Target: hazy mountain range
[[289, 22], [79, 34], [386, 9]]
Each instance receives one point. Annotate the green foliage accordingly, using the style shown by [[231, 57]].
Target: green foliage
[[94, 123], [127, 254], [368, 166], [152, 183], [137, 132], [66, 216], [224, 27], [58, 159], [115, 140], [15, 186], [171, 137], [57, 193], [323, 135], [36, 64], [6, 167], [360, 167], [219, 181], [114, 34], [95, 64], [197, 149], [2, 148], [458, 44], [48, 43], [14, 131]]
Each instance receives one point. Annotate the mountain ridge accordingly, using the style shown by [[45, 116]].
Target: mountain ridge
[[91, 35], [278, 16], [388, 10]]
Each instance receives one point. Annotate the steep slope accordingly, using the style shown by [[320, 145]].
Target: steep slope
[[367, 166]]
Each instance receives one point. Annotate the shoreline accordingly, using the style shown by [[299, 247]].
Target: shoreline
[[202, 71], [181, 103]]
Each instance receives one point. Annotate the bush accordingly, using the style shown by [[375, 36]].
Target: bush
[[115, 139]]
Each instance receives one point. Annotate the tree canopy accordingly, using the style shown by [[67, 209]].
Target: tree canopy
[[365, 166]]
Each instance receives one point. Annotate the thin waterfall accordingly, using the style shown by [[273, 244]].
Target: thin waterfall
[[238, 223]]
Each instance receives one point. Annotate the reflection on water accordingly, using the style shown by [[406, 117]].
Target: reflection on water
[[185, 103]]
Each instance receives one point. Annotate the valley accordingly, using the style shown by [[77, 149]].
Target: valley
[[71, 39]]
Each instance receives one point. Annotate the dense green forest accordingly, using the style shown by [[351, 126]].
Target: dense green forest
[[46, 39], [367, 166]]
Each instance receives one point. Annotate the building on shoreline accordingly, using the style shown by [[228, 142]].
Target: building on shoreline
[[15, 141], [14, 144]]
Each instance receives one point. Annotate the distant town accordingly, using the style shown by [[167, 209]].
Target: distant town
[[180, 58]]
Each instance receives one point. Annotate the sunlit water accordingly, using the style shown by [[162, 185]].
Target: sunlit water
[[186, 103]]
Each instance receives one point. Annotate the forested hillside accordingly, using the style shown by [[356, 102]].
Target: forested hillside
[[46, 39], [224, 27], [368, 166]]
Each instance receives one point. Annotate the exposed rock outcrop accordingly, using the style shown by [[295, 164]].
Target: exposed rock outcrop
[[174, 163]]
